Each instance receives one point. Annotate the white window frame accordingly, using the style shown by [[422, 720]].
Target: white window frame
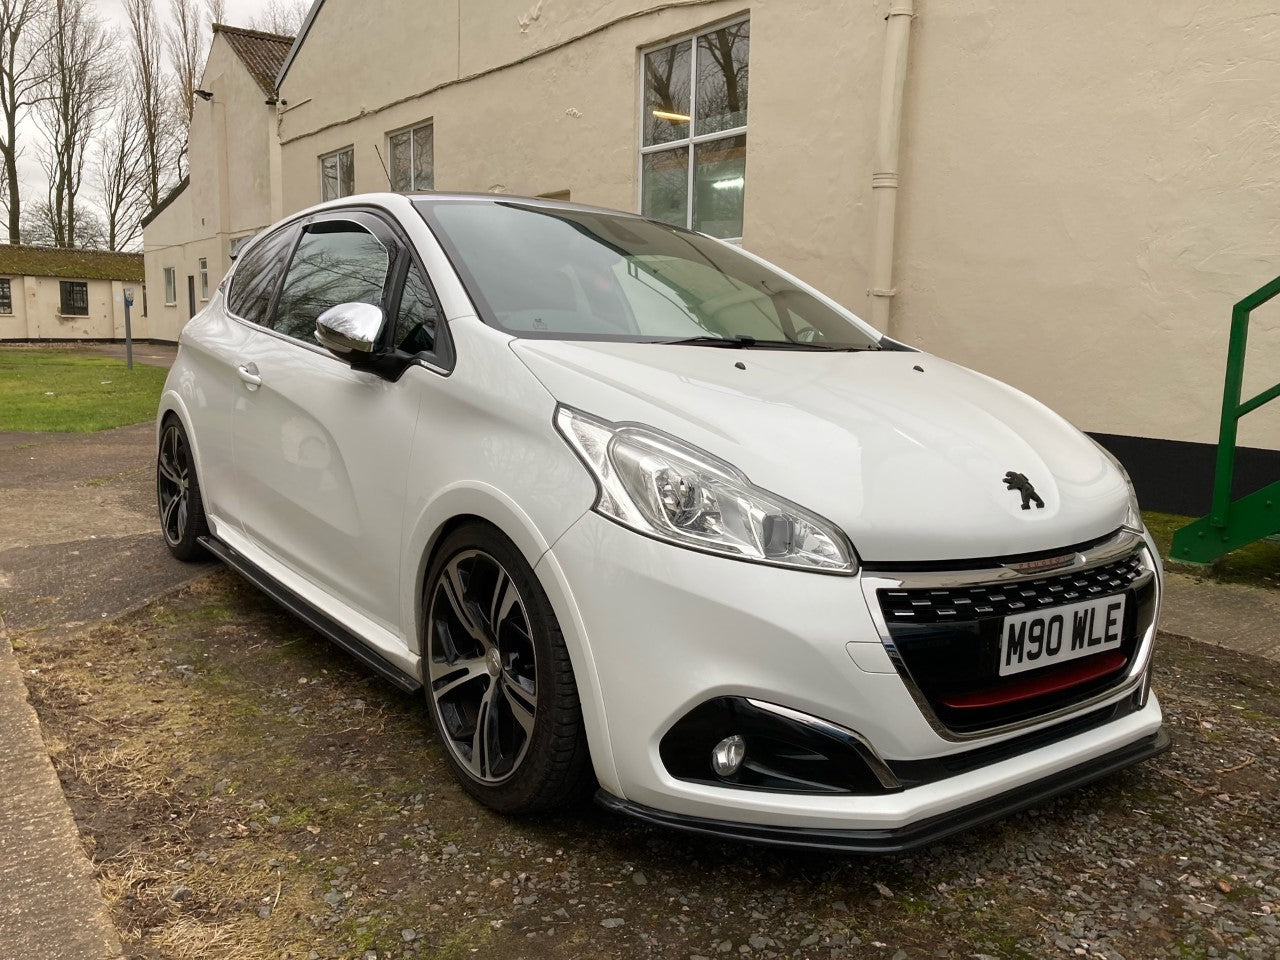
[[170, 273], [203, 265], [691, 141], [349, 148], [411, 129], [9, 311]]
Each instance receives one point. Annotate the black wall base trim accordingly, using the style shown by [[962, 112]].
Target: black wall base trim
[[1175, 476]]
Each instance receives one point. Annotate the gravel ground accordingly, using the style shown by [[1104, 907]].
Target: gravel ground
[[245, 790]]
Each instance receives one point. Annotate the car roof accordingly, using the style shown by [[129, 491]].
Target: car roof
[[515, 198]]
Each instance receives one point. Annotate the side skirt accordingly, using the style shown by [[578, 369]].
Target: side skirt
[[320, 622]]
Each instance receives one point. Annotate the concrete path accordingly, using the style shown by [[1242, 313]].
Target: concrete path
[[79, 536], [155, 354], [50, 905], [1231, 615]]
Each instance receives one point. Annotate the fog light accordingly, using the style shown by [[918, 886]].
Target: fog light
[[727, 755]]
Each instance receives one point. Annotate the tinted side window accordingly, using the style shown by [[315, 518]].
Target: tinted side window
[[418, 314], [336, 262], [256, 277]]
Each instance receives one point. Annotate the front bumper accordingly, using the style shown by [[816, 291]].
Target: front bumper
[[917, 834], [664, 630]]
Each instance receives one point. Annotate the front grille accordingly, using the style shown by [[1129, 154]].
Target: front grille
[[955, 604], [947, 639]]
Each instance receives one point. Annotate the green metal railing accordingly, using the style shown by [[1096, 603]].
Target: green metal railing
[[1233, 524]]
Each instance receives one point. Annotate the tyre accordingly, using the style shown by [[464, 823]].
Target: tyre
[[499, 684], [178, 493]]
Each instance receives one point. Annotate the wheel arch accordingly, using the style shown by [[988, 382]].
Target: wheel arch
[[471, 502], [172, 406]]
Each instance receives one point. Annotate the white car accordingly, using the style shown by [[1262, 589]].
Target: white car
[[639, 511]]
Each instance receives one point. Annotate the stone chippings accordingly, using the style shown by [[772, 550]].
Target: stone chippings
[[323, 823]]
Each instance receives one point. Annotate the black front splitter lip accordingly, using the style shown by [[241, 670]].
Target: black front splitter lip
[[911, 836]]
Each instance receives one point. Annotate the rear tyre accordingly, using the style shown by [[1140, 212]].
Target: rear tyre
[[178, 494], [499, 684]]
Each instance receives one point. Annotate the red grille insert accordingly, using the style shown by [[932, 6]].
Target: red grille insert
[[1091, 668]]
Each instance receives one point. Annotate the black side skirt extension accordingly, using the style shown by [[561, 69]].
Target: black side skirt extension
[[913, 835], [318, 621]]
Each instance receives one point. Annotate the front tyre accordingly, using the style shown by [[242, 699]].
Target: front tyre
[[178, 493], [499, 684]]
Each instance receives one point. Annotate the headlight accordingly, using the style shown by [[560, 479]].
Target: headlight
[[1133, 518], [666, 489]]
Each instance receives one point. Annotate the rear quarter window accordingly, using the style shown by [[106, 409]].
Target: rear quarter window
[[256, 277]]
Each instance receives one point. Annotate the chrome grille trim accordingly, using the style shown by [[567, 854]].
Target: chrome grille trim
[[1125, 543]]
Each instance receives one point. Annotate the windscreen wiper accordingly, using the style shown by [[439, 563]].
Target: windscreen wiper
[[744, 342]]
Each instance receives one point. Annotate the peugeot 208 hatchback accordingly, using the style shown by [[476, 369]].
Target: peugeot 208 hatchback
[[636, 509]]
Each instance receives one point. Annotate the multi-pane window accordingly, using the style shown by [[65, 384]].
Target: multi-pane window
[[75, 298], [338, 174], [413, 159], [170, 286], [693, 152], [6, 295], [204, 278]]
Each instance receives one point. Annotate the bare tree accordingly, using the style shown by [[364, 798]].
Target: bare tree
[[123, 177], [217, 10], [283, 17], [185, 38], [22, 28], [38, 226], [79, 83], [146, 90]]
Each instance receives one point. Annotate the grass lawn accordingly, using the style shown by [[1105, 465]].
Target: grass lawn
[[63, 391], [1257, 564]]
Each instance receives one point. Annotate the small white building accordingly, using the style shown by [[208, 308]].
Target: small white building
[[48, 293]]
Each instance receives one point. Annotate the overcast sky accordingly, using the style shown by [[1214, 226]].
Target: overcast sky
[[239, 13]]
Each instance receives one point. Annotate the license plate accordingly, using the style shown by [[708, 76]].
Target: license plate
[[1058, 634]]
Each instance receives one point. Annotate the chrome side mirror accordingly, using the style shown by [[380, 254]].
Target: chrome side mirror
[[351, 331]]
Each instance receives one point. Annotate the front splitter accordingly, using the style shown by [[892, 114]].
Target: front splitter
[[910, 836]]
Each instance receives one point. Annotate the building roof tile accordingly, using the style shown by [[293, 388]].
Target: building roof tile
[[262, 53]]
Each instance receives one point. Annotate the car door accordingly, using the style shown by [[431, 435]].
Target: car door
[[212, 349], [321, 449]]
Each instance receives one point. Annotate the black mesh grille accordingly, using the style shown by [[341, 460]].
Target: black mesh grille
[[948, 639], [958, 604]]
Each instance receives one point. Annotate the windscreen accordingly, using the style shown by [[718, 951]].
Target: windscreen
[[554, 273]]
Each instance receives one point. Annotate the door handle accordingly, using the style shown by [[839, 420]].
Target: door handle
[[249, 374]]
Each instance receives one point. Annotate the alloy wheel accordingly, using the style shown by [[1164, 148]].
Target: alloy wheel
[[173, 481], [481, 666]]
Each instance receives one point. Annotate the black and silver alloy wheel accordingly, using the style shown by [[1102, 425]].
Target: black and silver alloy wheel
[[178, 493], [482, 667], [498, 678], [173, 483]]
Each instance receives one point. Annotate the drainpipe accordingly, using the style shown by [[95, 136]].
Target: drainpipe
[[884, 180]]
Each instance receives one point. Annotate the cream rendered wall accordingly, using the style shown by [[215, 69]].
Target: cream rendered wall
[[567, 120], [1084, 196], [13, 326], [230, 148], [42, 302], [164, 244], [1086, 188]]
